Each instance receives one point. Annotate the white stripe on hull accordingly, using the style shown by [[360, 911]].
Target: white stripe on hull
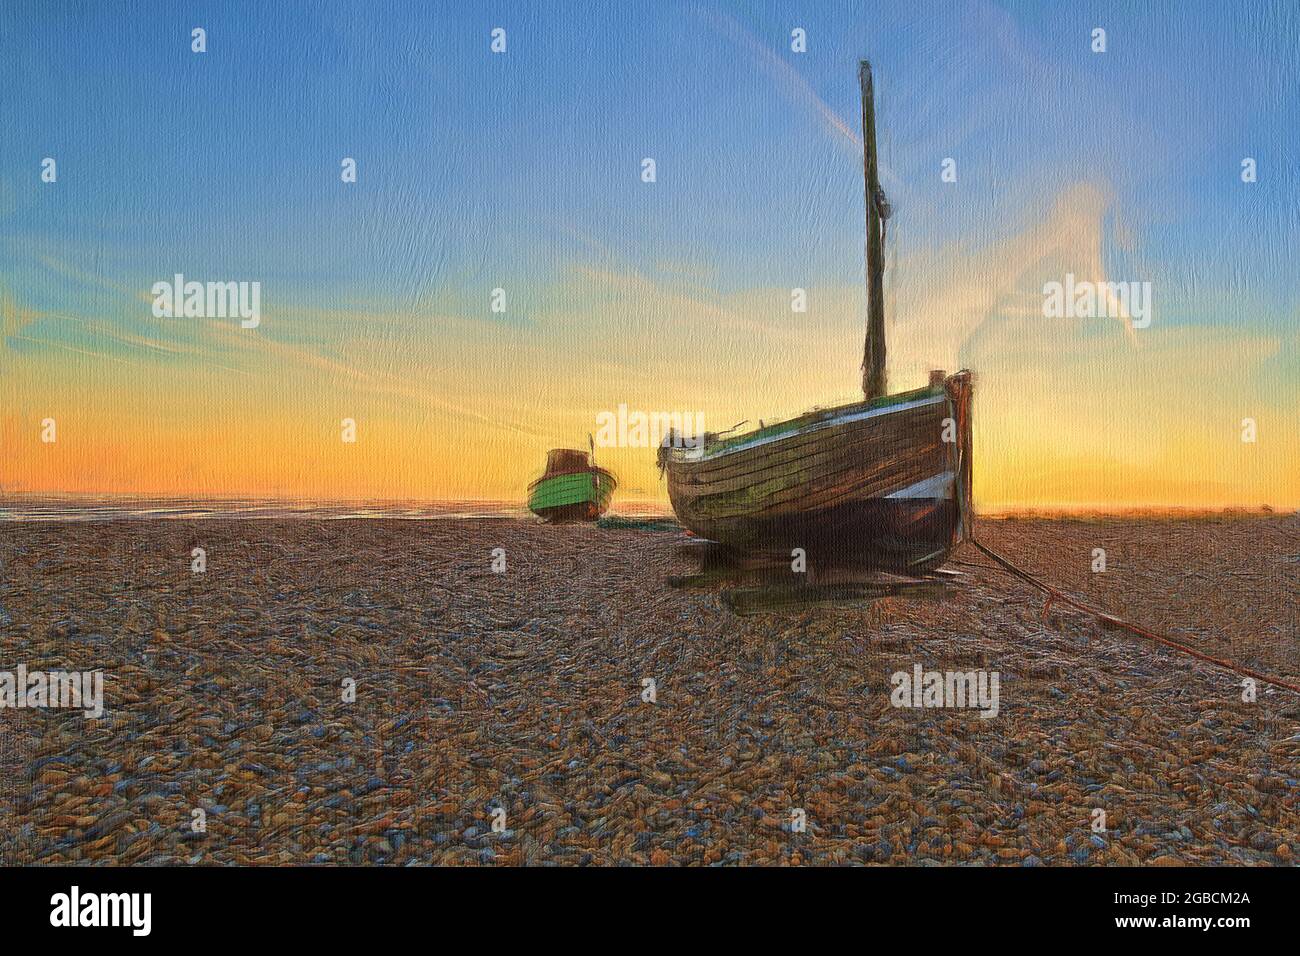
[[698, 454], [942, 485]]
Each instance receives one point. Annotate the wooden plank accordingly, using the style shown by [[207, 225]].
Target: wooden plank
[[837, 453], [803, 422], [802, 493], [791, 447]]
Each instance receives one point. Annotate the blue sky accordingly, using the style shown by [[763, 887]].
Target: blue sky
[[521, 170], [468, 156]]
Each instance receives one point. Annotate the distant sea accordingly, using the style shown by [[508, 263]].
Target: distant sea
[[99, 508]]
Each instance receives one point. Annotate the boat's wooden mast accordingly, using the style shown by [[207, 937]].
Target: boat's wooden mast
[[873, 356]]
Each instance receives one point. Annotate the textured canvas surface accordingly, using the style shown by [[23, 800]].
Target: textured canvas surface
[[434, 433]]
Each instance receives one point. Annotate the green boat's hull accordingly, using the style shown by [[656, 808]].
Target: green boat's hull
[[583, 496]]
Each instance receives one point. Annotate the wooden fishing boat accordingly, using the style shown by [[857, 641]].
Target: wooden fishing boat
[[885, 482], [572, 489]]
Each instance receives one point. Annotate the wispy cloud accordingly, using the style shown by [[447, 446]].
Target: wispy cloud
[[789, 82]]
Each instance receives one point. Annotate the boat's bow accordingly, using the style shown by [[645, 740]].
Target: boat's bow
[[572, 489]]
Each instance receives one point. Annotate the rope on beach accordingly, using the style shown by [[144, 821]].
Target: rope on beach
[[1115, 622]]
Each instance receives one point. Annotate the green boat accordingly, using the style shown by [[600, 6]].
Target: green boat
[[572, 489]]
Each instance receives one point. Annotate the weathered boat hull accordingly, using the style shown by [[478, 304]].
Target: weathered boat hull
[[883, 483]]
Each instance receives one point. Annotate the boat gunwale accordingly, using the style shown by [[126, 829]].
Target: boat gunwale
[[807, 448], [812, 422]]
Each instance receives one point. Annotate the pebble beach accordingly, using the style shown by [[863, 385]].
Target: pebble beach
[[375, 691]]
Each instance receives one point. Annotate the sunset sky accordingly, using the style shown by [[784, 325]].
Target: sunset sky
[[522, 171]]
